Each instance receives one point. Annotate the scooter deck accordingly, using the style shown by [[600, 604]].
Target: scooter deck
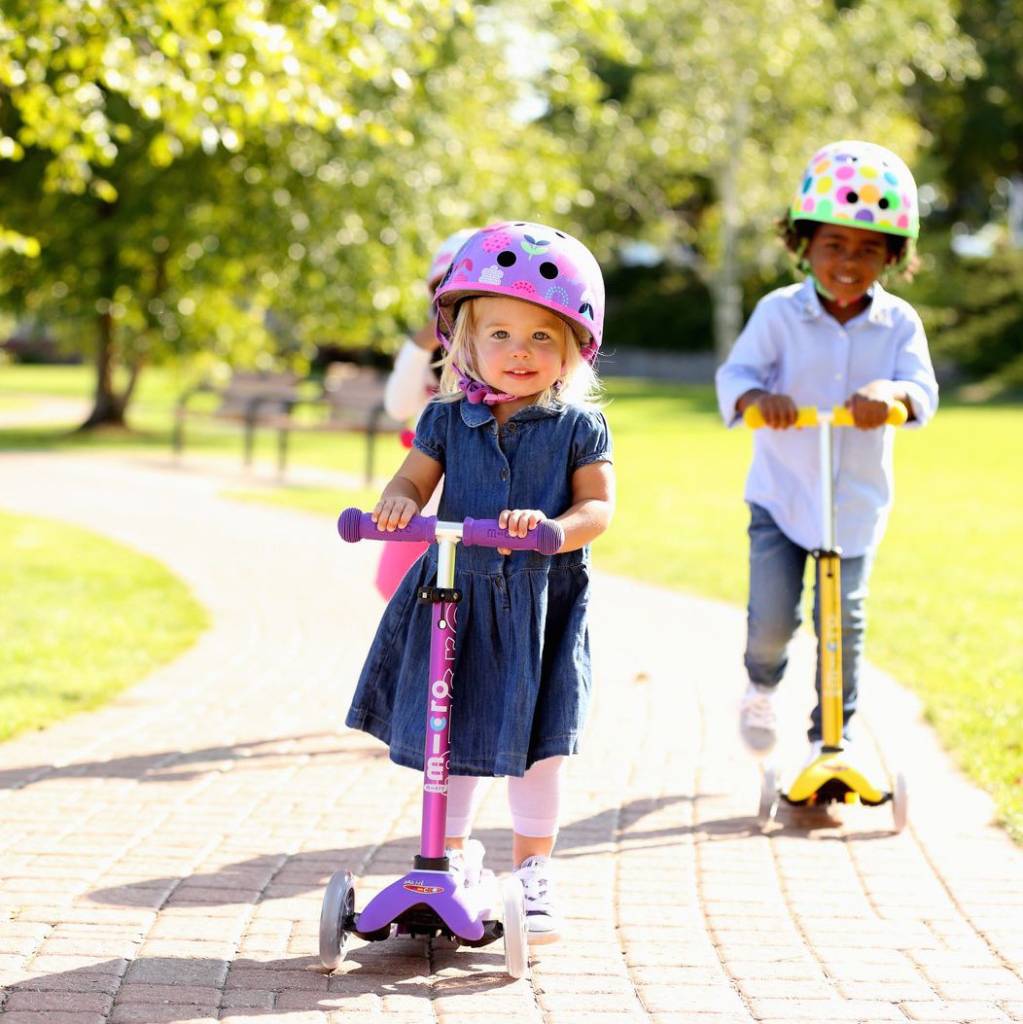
[[428, 902], [832, 777]]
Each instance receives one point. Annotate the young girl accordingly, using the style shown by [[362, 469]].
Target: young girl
[[411, 384], [837, 338], [521, 312]]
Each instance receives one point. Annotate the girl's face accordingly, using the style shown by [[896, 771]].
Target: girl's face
[[846, 262], [520, 347]]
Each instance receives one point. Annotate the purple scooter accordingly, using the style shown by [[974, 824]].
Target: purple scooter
[[431, 900]]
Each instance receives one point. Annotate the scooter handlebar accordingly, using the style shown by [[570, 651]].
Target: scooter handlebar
[[546, 537], [810, 416]]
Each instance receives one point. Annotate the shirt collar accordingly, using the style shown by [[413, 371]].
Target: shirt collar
[[481, 414], [878, 312]]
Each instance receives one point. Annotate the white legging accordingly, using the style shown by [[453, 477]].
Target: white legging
[[535, 800]]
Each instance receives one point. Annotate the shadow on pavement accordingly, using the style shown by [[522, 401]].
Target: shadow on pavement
[[166, 989], [283, 876], [184, 766]]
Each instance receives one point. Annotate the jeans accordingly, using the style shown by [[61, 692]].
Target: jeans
[[774, 613]]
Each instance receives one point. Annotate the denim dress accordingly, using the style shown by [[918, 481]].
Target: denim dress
[[522, 668]]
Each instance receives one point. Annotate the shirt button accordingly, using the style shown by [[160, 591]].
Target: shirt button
[[505, 474], [838, 376]]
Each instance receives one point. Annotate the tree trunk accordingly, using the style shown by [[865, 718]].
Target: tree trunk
[[726, 283], [725, 286], [108, 407]]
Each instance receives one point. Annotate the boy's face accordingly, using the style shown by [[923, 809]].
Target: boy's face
[[847, 261]]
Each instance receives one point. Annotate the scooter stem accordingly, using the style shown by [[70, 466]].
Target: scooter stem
[[438, 715], [827, 488], [829, 590]]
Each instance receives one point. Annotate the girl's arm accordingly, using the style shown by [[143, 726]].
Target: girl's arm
[[593, 500], [406, 390], [408, 491]]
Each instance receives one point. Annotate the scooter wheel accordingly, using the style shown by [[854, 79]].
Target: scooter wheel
[[900, 802], [516, 950], [338, 906], [768, 796]]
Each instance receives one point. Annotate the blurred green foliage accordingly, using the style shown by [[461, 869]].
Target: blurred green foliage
[[238, 183], [973, 311], [660, 307]]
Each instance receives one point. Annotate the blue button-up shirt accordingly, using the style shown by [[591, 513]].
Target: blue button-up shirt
[[792, 346]]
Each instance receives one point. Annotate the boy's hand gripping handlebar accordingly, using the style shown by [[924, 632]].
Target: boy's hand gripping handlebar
[[546, 537], [811, 416]]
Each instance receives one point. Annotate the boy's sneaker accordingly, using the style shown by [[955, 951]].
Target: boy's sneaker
[[543, 924], [758, 724], [816, 748]]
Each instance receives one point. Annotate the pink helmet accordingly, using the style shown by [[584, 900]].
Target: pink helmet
[[533, 262], [444, 254]]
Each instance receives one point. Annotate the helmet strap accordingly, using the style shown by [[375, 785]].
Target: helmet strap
[[820, 289], [475, 391]]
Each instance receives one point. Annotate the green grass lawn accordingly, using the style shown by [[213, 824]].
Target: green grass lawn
[[10, 403], [78, 628], [944, 605]]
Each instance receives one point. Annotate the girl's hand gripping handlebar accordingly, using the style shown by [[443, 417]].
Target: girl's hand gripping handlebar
[[546, 537], [810, 416]]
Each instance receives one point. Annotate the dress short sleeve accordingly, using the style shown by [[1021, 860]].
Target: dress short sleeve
[[432, 430], [591, 440]]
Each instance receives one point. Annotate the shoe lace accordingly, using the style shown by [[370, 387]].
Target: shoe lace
[[535, 887]]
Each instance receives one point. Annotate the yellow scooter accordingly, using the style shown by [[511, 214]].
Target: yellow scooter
[[832, 777]]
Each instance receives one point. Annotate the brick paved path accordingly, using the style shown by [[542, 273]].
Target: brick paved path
[[163, 859]]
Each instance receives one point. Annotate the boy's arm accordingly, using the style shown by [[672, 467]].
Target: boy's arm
[[870, 404], [779, 411], [912, 383], [747, 371], [914, 376]]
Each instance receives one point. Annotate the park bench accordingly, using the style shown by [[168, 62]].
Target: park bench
[[347, 398]]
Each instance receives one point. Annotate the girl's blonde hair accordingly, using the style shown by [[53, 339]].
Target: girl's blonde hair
[[578, 385]]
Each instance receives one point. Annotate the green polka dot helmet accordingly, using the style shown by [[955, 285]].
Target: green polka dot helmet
[[859, 185]]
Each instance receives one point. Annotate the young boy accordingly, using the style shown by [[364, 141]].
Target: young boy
[[837, 338]]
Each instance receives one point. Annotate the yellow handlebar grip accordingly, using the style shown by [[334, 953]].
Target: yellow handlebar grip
[[897, 415], [840, 416], [754, 419]]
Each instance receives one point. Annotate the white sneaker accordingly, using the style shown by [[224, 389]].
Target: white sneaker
[[816, 746], [543, 924], [758, 724], [845, 751], [467, 862]]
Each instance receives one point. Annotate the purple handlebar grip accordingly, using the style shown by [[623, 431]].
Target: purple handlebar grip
[[354, 525], [546, 537]]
